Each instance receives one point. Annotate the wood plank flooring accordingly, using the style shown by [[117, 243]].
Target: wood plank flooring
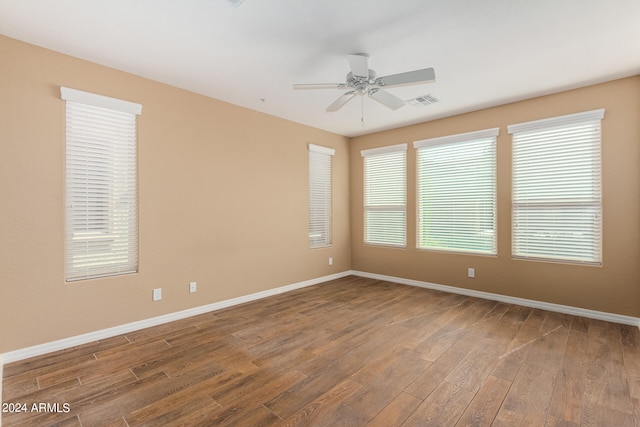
[[350, 352]]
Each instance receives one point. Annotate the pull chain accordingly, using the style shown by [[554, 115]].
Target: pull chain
[[362, 110]]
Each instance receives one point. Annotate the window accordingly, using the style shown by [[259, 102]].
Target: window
[[556, 206], [457, 192], [320, 196], [385, 195], [101, 186]]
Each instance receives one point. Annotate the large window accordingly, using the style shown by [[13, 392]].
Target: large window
[[101, 185], [320, 196], [556, 206], [385, 195], [457, 192]]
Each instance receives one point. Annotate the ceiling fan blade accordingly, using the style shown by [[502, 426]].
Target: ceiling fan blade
[[426, 75], [387, 99], [339, 103], [319, 86], [359, 64]]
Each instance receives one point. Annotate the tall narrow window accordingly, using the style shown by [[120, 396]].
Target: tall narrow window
[[457, 192], [556, 200], [101, 185], [385, 195], [320, 216]]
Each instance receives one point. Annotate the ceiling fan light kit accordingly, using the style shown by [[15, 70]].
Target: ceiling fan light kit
[[362, 80]]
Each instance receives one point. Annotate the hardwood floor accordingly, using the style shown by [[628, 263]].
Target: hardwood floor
[[351, 352]]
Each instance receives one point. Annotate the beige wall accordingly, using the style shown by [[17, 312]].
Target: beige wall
[[614, 287], [222, 201]]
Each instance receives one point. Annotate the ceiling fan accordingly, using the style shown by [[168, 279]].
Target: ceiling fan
[[361, 80]]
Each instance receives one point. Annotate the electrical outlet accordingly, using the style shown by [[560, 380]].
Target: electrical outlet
[[330, 260], [157, 294], [471, 272], [193, 286]]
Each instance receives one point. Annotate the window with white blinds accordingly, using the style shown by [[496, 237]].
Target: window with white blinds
[[320, 194], [457, 192], [101, 185], [556, 200], [385, 195]]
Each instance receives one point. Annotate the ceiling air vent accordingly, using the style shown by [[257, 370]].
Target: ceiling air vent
[[235, 3], [423, 100]]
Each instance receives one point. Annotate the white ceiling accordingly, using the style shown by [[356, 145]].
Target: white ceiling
[[485, 52]]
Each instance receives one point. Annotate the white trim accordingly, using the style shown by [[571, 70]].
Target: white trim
[[557, 121], [39, 349], [460, 137], [322, 150], [559, 308], [383, 150], [101, 101]]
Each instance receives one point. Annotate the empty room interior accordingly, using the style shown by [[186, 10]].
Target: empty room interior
[[400, 213]]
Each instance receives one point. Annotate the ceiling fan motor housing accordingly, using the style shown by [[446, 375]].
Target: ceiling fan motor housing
[[362, 85]]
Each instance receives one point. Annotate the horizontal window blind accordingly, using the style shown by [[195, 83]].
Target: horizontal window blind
[[385, 195], [101, 186], [320, 195], [457, 192], [556, 206]]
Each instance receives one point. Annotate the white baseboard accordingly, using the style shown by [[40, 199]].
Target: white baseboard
[[40, 349], [576, 311]]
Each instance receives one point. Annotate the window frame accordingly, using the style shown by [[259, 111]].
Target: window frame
[[562, 130], [388, 205], [488, 137], [320, 219], [101, 225]]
